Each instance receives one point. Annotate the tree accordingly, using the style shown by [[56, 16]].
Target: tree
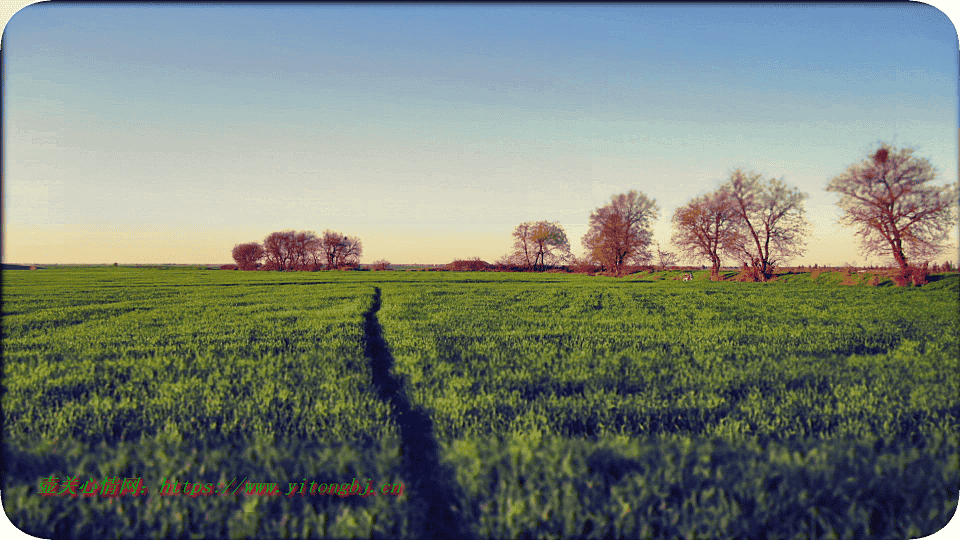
[[665, 258], [304, 250], [887, 199], [707, 227], [247, 255], [279, 248], [340, 250], [619, 232], [771, 221], [540, 244]]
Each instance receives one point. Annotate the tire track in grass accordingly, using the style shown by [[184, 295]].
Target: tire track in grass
[[435, 496]]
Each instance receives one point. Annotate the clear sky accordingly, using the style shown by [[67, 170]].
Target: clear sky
[[139, 134]]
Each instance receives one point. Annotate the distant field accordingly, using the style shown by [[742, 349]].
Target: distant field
[[564, 405]]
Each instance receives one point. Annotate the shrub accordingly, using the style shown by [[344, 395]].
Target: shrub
[[912, 275], [748, 274], [381, 265], [229, 267], [472, 265], [583, 267]]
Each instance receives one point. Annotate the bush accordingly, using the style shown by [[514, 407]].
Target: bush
[[381, 265], [229, 267], [748, 274], [912, 275], [473, 265], [582, 267]]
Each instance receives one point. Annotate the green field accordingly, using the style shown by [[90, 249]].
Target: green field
[[509, 405]]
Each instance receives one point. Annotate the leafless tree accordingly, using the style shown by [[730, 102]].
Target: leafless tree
[[539, 244], [279, 248], [665, 258], [304, 248], [887, 199], [771, 221], [620, 233], [340, 250], [247, 255], [707, 227]]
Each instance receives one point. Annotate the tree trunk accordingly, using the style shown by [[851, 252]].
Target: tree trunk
[[715, 270], [898, 253]]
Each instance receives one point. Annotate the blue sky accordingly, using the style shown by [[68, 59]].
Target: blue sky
[[168, 134]]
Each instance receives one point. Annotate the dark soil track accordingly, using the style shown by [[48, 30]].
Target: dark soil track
[[435, 496]]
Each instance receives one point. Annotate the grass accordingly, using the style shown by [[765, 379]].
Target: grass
[[564, 405]]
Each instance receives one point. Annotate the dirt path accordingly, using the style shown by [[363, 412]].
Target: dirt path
[[435, 496]]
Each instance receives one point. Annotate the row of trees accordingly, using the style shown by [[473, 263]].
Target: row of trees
[[886, 198], [760, 223], [304, 250]]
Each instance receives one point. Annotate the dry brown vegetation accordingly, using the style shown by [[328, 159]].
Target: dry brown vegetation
[[470, 265], [381, 265]]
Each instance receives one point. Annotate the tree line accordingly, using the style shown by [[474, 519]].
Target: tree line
[[886, 198], [303, 250]]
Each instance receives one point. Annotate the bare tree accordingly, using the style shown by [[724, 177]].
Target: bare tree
[[620, 231], [279, 248], [539, 244], [885, 197], [313, 250], [707, 227], [303, 248], [665, 258], [247, 255], [340, 250], [351, 252], [771, 220]]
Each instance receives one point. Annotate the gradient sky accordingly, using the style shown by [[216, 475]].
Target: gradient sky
[[139, 134]]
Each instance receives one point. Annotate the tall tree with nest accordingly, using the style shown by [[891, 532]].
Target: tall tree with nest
[[888, 199], [340, 250], [707, 227], [620, 232], [771, 220]]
